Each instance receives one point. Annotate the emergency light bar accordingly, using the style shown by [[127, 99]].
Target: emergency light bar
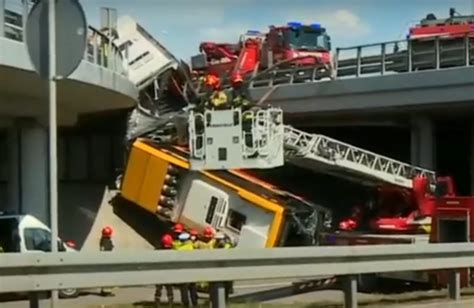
[[250, 32], [294, 24], [315, 26]]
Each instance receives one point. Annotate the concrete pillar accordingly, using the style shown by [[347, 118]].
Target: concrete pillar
[[423, 144], [28, 176]]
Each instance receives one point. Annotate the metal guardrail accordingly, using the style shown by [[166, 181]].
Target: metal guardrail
[[100, 50], [49, 271], [405, 56]]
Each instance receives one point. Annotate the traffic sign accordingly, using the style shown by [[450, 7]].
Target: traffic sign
[[71, 37]]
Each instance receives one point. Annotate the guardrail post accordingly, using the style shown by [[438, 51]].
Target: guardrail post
[[383, 59], [410, 56], [454, 286], [336, 60], [359, 53], [2, 18], [33, 298], [349, 287], [467, 49], [217, 295], [437, 53]]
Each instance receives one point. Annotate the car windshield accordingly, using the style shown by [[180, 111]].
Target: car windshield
[[307, 38]]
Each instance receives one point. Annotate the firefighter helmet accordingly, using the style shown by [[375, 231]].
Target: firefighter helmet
[[178, 228], [208, 232], [107, 231], [213, 81], [167, 241]]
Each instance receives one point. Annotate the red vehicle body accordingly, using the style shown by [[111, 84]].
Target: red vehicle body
[[452, 27], [399, 210], [452, 220], [309, 45], [296, 44]]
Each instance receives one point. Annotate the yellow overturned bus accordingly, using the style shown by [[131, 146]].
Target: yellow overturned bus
[[253, 213]]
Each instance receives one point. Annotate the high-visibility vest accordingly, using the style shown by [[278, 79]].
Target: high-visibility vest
[[218, 99], [205, 245], [188, 245]]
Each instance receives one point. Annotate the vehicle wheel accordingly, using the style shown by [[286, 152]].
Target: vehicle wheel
[[367, 283], [68, 293]]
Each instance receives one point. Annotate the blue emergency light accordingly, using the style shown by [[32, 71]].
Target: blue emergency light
[[253, 32], [294, 24], [315, 26]]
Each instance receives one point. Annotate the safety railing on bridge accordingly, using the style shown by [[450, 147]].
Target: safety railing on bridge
[[100, 49], [404, 56]]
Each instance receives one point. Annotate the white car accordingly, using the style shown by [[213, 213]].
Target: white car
[[27, 234]]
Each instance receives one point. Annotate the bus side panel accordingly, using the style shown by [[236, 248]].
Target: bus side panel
[[134, 174], [153, 181]]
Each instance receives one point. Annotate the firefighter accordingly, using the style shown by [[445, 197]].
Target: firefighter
[[193, 236], [222, 241], [218, 98], [106, 244], [178, 229], [166, 243], [238, 94], [207, 241], [188, 290]]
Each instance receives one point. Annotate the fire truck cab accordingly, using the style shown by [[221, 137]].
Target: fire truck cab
[[307, 44], [232, 139]]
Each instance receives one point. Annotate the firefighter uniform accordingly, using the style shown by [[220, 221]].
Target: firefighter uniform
[[223, 242], [188, 290], [106, 244], [166, 243], [219, 100]]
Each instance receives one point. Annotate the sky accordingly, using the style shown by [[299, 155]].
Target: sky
[[181, 25]]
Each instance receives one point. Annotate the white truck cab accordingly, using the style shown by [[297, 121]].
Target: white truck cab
[[27, 234]]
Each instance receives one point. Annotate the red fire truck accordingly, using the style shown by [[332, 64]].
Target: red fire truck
[[294, 44]]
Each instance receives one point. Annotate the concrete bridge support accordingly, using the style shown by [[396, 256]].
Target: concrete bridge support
[[423, 144], [28, 169]]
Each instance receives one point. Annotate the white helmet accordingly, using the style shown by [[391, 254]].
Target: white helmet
[[184, 236]]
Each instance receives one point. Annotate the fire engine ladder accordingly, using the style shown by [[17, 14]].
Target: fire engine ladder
[[342, 159]]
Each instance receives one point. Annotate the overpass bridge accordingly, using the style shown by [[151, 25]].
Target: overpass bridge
[[401, 83], [389, 77], [99, 84]]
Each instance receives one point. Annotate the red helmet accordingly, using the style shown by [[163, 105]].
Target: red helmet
[[193, 232], [208, 232], [107, 231], [167, 241], [213, 81], [178, 228]]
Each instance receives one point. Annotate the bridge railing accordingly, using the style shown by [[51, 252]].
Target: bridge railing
[[404, 56], [99, 51]]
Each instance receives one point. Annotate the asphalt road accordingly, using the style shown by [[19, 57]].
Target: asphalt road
[[143, 296]]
